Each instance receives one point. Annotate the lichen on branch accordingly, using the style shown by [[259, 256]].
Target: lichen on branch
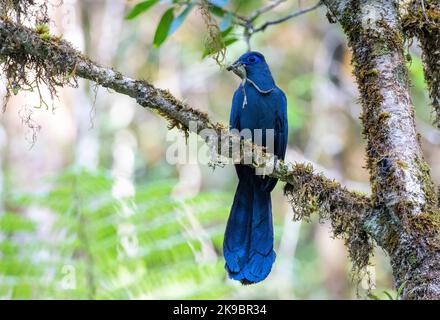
[[310, 193]]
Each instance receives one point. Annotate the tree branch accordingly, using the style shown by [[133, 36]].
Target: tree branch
[[264, 9], [288, 17], [248, 22]]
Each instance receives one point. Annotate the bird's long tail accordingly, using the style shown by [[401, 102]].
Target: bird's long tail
[[248, 243]]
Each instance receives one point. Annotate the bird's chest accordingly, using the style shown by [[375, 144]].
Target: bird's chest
[[257, 111]]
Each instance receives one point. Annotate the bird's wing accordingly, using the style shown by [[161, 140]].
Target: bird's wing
[[234, 123], [234, 117], [281, 134], [281, 127]]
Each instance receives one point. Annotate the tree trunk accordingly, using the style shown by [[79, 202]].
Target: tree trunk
[[404, 219]]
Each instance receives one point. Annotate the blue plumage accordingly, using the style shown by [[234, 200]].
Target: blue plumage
[[257, 104]]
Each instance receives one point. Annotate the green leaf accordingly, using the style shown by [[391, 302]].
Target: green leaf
[[177, 22], [372, 296], [400, 290], [217, 11], [226, 32], [140, 8], [12, 222], [163, 28], [230, 41], [92, 225], [388, 295]]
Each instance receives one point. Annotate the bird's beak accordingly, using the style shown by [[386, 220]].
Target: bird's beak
[[234, 66], [238, 68]]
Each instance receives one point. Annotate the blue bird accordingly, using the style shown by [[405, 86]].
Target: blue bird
[[257, 104]]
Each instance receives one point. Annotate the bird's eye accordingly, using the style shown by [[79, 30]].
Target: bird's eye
[[253, 59]]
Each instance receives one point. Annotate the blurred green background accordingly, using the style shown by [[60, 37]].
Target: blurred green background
[[91, 209]]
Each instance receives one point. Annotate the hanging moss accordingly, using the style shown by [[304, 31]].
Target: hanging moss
[[26, 72], [425, 25], [214, 43], [310, 194]]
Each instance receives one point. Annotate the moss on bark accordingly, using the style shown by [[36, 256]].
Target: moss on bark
[[424, 23]]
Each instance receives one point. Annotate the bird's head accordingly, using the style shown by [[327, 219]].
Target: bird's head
[[252, 65]]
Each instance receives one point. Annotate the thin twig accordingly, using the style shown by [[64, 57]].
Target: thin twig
[[290, 16], [424, 11], [248, 22], [247, 36], [265, 9]]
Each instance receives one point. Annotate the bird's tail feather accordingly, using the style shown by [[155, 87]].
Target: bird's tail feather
[[248, 243]]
